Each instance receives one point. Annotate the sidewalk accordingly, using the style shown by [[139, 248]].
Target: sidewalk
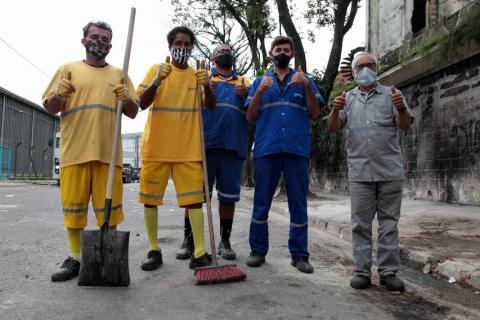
[[437, 238]]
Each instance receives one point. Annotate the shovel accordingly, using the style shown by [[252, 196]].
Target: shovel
[[104, 252]]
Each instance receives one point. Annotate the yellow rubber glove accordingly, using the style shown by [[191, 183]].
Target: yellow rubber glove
[[202, 77], [65, 87], [121, 92], [163, 71]]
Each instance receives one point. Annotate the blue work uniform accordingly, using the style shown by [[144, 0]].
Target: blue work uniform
[[282, 144], [226, 131]]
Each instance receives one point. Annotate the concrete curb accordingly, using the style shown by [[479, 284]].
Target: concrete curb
[[423, 261]]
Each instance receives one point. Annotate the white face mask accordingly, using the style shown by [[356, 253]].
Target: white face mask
[[181, 55], [366, 77]]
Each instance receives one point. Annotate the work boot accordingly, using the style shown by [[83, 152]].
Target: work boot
[[203, 261], [360, 282], [186, 250], [392, 283], [152, 261], [302, 265], [69, 269], [255, 260], [225, 250]]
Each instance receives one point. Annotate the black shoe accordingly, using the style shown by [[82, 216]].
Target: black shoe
[[203, 261], [186, 250], [392, 283], [225, 250], [68, 270], [302, 265], [152, 261], [360, 282], [255, 260]]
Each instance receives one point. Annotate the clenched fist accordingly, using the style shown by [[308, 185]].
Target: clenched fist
[[202, 77], [339, 102], [121, 92]]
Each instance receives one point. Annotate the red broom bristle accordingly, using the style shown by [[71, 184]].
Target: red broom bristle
[[218, 274]]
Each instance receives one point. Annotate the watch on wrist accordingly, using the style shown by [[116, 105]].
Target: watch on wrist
[[402, 109]]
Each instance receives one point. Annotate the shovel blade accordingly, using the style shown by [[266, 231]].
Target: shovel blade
[[107, 267]]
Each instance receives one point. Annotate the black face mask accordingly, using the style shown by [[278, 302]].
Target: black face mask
[[282, 60], [225, 60], [97, 48]]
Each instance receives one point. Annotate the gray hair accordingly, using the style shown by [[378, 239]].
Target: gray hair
[[362, 53]]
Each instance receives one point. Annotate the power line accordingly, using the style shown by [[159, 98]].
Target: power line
[[25, 58]]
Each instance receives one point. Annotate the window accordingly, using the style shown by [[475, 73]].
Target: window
[[419, 15]]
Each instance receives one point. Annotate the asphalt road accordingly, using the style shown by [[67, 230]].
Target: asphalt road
[[33, 244]]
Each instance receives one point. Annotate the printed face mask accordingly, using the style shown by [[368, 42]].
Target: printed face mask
[[225, 60], [97, 48], [181, 55], [366, 77], [282, 60]]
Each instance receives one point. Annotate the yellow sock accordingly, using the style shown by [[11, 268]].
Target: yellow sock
[[73, 236], [196, 221], [151, 225]]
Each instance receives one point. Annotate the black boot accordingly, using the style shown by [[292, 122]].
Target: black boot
[[187, 248], [224, 248], [69, 269], [203, 261]]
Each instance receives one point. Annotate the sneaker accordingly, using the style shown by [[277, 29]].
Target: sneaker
[[152, 261], [255, 260], [186, 250], [360, 282], [302, 265], [225, 250], [392, 283], [203, 261], [69, 269]]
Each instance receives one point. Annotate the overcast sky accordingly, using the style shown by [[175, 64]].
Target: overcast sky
[[48, 34]]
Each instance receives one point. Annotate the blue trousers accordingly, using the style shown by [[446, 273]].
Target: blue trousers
[[267, 174]]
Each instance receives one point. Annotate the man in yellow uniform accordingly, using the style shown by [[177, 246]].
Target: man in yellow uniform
[[86, 94], [171, 144]]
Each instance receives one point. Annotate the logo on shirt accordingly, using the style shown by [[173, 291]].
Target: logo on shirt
[[298, 95]]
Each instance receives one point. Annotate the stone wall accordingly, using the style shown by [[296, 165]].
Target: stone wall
[[441, 150]]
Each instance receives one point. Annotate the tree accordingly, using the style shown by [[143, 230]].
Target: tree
[[286, 21], [340, 14], [213, 26]]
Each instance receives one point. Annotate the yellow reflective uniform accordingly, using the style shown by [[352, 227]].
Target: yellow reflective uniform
[[86, 128], [171, 139]]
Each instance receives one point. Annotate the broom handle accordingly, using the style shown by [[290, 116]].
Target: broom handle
[[205, 171], [118, 125]]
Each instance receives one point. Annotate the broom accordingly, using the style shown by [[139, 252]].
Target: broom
[[214, 273]]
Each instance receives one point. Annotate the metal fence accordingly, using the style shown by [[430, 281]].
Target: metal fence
[[26, 137]]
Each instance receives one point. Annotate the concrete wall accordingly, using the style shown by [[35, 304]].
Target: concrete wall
[[442, 150], [389, 21]]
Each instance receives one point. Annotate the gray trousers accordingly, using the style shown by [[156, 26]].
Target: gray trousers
[[383, 198]]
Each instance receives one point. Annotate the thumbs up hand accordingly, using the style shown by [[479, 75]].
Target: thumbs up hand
[[163, 71], [396, 98], [339, 102], [65, 87], [300, 78], [241, 90]]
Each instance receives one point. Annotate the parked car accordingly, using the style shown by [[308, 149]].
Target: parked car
[[127, 172], [136, 174]]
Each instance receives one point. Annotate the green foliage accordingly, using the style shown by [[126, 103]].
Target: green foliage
[[444, 46]]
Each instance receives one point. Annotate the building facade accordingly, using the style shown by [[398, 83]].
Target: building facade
[[27, 134]]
